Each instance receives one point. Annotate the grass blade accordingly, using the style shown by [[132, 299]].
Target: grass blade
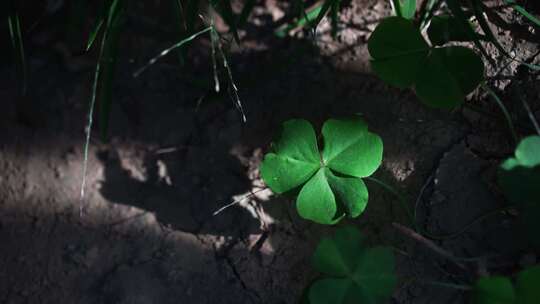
[[246, 11], [505, 112], [90, 120], [93, 35], [307, 18], [523, 12], [478, 10], [224, 8], [404, 8], [324, 9], [169, 49], [458, 12], [237, 101], [334, 10], [396, 7], [18, 49], [114, 23], [427, 11], [181, 24]]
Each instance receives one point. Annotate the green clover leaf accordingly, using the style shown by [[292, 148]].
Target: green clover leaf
[[441, 76], [527, 284], [499, 290], [519, 178], [445, 28], [354, 274], [332, 184], [493, 290]]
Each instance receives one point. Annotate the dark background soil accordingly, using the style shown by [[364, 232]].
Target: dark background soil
[[179, 151]]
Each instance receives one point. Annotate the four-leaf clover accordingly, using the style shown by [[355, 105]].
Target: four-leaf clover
[[332, 184]]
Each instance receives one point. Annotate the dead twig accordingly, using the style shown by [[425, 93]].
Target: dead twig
[[429, 244]]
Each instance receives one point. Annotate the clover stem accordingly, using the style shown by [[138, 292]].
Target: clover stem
[[399, 196]]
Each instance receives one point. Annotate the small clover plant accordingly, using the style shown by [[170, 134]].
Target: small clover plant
[[500, 290], [445, 28], [441, 76], [352, 272], [331, 181], [519, 177]]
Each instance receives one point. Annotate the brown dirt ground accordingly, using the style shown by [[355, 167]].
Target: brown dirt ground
[[178, 152]]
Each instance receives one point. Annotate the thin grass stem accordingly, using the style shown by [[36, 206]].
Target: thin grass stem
[[169, 49], [505, 112]]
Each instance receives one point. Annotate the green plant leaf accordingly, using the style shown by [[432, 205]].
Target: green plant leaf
[[327, 4], [499, 290], [331, 290], [408, 8], [354, 274], [446, 28], [528, 152], [442, 76], [350, 148], [14, 25], [351, 192], [224, 8], [316, 201], [295, 160], [302, 21], [448, 75], [527, 285], [336, 256], [111, 36], [398, 50], [463, 23], [375, 273], [519, 178], [523, 12], [333, 186], [493, 290]]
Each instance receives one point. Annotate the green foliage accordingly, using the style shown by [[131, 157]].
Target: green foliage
[[15, 34], [111, 18], [499, 290], [305, 19], [527, 285], [519, 177], [398, 50], [113, 23], [332, 184], [441, 76], [328, 6], [445, 28], [352, 272], [493, 290], [404, 8], [523, 12]]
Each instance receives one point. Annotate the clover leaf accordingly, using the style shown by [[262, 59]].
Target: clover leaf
[[398, 50], [499, 290], [441, 76], [331, 181], [527, 284], [353, 273], [519, 177], [493, 290], [445, 28]]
